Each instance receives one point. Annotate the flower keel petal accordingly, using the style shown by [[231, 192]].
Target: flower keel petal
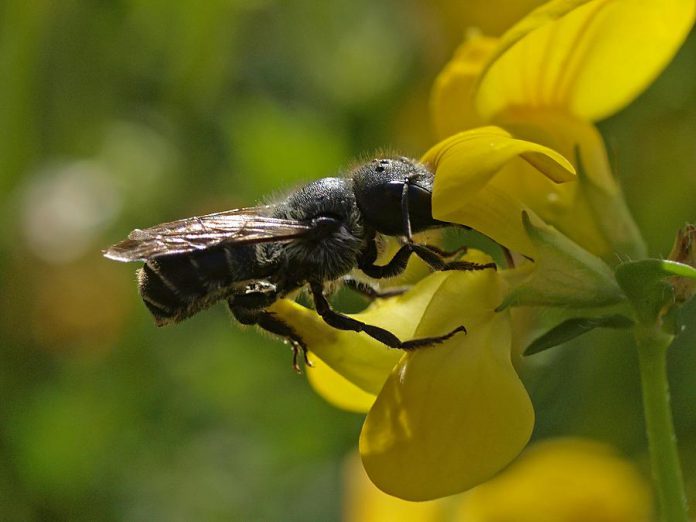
[[449, 417]]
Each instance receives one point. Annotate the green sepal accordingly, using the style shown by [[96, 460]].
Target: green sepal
[[564, 273], [611, 214], [644, 284], [575, 327]]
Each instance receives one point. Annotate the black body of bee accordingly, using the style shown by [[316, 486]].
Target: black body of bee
[[252, 257]]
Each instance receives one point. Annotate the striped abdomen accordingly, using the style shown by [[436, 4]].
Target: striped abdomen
[[177, 286]]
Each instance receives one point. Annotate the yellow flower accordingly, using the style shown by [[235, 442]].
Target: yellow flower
[[566, 65], [558, 480], [472, 187], [417, 442], [442, 420], [491, 16], [563, 480], [470, 182]]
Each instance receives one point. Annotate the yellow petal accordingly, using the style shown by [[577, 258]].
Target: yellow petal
[[464, 167], [562, 480], [496, 214], [363, 502], [356, 357], [491, 17], [450, 417], [336, 389], [590, 58], [592, 211], [452, 99]]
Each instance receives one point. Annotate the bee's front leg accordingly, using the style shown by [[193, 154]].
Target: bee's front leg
[[395, 266], [439, 263], [435, 257]]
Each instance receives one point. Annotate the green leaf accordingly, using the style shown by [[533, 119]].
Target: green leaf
[[677, 269], [652, 269], [575, 327]]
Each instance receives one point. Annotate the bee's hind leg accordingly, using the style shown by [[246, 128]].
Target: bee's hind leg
[[249, 308], [272, 324]]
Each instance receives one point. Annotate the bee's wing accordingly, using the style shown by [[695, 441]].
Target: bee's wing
[[239, 226]]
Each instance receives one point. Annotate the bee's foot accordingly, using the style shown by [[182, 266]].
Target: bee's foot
[[467, 266], [298, 348]]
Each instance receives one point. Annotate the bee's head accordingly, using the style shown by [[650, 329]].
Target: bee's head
[[379, 186]]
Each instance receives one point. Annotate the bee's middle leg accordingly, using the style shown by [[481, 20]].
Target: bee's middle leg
[[372, 292], [447, 254], [343, 322]]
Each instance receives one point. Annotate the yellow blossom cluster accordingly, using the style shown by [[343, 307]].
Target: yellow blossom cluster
[[521, 162]]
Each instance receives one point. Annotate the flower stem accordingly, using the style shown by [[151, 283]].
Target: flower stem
[[667, 475]]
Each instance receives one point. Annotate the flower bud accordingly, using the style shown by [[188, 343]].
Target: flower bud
[[684, 251]]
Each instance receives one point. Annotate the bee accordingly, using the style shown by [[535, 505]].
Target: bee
[[316, 236]]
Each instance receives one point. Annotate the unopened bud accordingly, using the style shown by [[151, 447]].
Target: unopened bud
[[684, 251]]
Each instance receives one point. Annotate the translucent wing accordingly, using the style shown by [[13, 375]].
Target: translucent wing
[[239, 226]]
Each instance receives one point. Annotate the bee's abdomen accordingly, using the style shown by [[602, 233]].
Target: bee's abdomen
[[177, 286]]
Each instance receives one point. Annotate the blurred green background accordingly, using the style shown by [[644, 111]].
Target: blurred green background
[[117, 114]]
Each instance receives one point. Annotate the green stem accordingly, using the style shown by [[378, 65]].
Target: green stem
[[652, 355]]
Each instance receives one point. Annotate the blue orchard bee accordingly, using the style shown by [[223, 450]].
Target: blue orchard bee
[[251, 257]]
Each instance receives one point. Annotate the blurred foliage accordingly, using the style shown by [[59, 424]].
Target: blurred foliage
[[126, 113]]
